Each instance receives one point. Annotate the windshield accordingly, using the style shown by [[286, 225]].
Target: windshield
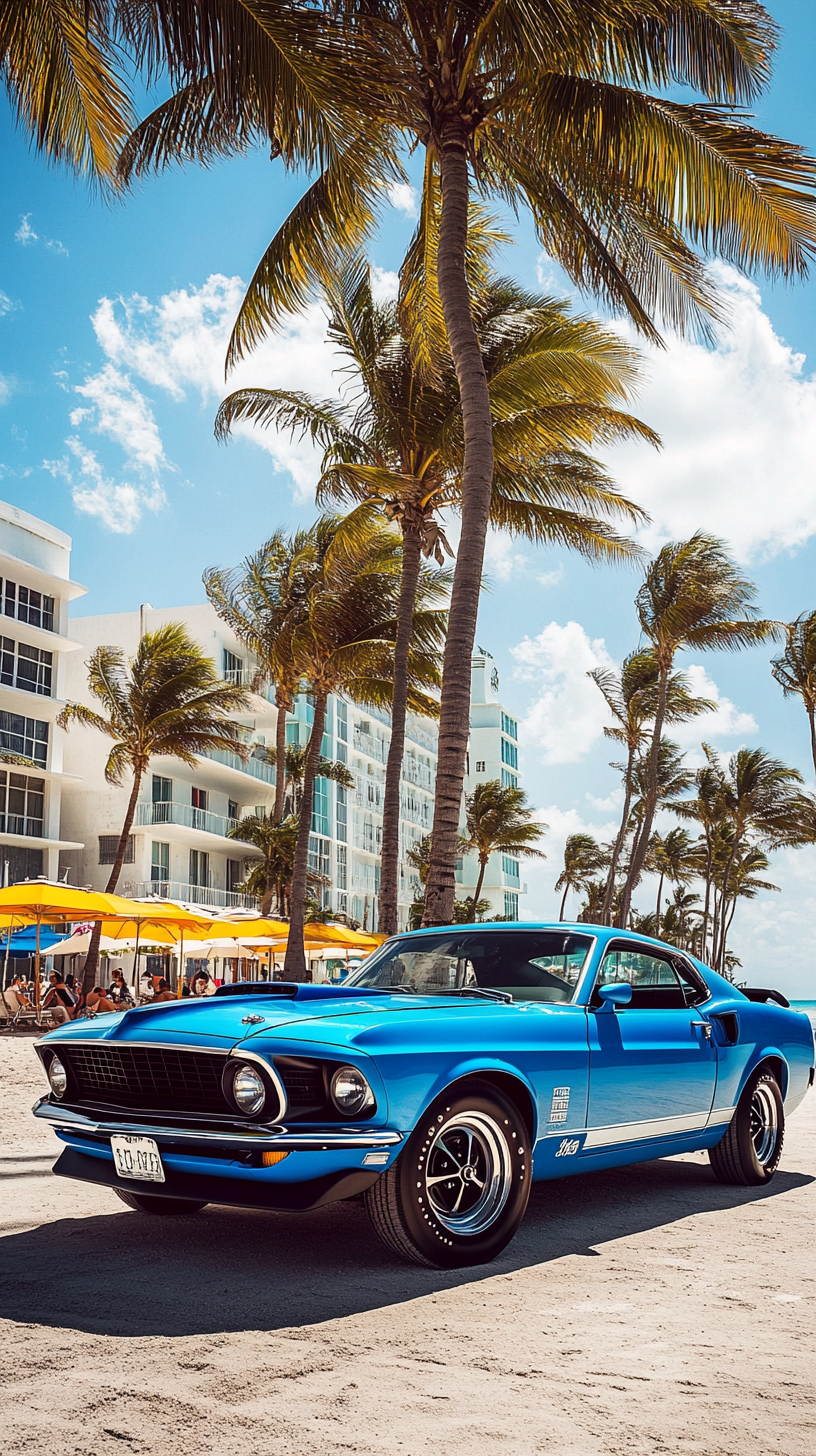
[[532, 965]]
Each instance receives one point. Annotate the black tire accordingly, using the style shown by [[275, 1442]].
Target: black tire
[[427, 1210], [750, 1151], [149, 1203]]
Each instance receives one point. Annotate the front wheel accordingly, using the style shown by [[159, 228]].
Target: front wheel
[[750, 1151], [147, 1203], [459, 1189]]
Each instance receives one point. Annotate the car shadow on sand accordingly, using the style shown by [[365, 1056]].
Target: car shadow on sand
[[226, 1269]]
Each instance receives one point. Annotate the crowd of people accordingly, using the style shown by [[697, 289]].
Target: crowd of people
[[64, 1000]]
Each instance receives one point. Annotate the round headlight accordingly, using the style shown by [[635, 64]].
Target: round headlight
[[58, 1077], [350, 1091], [248, 1091]]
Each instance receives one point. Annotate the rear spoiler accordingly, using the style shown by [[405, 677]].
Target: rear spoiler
[[758, 993]]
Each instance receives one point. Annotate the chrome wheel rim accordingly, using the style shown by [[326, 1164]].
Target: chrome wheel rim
[[468, 1173], [764, 1124]]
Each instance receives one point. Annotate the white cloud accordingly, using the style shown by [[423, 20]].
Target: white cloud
[[501, 559], [727, 721], [6, 305], [542, 900], [25, 233], [568, 716], [57, 247], [120, 411], [551, 578], [402, 196], [384, 284], [738, 424], [5, 389], [118, 505]]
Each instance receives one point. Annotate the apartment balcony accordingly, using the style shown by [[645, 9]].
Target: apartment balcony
[[368, 842], [185, 816], [375, 748], [246, 677], [417, 812], [255, 767], [193, 894], [417, 773]]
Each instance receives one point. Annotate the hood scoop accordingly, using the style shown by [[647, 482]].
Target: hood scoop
[[303, 990]]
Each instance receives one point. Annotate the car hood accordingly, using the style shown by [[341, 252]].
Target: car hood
[[227, 1021]]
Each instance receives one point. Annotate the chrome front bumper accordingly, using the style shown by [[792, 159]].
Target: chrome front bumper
[[233, 1136]]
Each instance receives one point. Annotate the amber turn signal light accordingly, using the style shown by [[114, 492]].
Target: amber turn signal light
[[268, 1160]]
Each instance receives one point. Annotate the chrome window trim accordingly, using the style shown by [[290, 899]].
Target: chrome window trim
[[622, 942]]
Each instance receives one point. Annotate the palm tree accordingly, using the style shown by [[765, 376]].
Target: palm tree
[[795, 668], [583, 857], [671, 858], [261, 601], [631, 697], [707, 808], [393, 447], [681, 919], [295, 771], [693, 597], [673, 781], [499, 821], [63, 73], [167, 701], [567, 113], [742, 882], [270, 878], [345, 643]]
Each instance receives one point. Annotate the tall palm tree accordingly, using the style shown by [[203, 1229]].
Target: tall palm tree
[[693, 597], [631, 697], [795, 668], [167, 700], [706, 808], [261, 601], [63, 74], [270, 878], [742, 882], [345, 643], [583, 857], [499, 821], [566, 112], [393, 447], [671, 858], [295, 771]]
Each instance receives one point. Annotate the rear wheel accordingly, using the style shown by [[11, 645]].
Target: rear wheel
[[149, 1203], [750, 1151], [459, 1189]]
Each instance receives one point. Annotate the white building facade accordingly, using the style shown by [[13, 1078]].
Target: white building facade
[[492, 754], [35, 653]]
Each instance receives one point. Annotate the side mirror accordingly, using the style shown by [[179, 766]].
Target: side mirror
[[619, 993]]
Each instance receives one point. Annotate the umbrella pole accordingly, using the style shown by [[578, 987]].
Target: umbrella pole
[[6, 956], [37, 971], [136, 961], [180, 985]]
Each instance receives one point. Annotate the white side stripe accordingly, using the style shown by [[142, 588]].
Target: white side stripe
[[630, 1132]]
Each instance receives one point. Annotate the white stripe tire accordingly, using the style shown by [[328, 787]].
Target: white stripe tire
[[459, 1189], [749, 1152]]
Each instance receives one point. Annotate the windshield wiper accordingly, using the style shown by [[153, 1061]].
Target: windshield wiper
[[488, 992]]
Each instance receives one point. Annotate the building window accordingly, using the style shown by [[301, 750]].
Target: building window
[[198, 798], [29, 669], [160, 866], [480, 765], [162, 790], [511, 904], [26, 736], [342, 720], [19, 863], [321, 808], [293, 733], [108, 845], [509, 781], [320, 867], [342, 752], [341, 813], [232, 808], [234, 876], [22, 803], [509, 753], [509, 726], [510, 867], [199, 867], [342, 867], [28, 605], [233, 668]]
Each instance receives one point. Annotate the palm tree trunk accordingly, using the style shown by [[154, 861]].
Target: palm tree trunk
[[812, 719], [92, 958], [707, 901], [389, 873], [280, 754], [659, 901], [609, 892], [295, 967], [477, 484], [479, 882], [650, 801], [567, 888]]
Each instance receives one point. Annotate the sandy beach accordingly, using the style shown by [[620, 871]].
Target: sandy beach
[[641, 1312]]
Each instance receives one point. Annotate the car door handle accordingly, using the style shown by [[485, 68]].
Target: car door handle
[[706, 1028]]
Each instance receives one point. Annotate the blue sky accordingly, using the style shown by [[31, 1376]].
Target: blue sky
[[112, 327]]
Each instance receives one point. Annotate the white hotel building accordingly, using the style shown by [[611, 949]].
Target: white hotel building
[[58, 814]]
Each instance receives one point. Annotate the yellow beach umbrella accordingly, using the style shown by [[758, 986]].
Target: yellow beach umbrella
[[163, 920], [42, 902]]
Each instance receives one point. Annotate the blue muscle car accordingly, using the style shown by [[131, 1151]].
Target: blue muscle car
[[449, 1071]]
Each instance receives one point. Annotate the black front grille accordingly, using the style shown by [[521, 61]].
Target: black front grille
[[304, 1083], [165, 1078]]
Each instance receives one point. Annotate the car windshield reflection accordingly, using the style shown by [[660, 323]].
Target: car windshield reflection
[[529, 965]]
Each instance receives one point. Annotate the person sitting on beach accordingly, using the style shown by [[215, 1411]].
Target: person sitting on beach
[[14, 998], [119, 990], [60, 1001], [97, 1001], [202, 985], [163, 993], [19, 988]]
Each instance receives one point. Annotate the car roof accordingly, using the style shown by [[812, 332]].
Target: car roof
[[601, 932]]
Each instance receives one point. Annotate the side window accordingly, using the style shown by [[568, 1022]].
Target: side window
[[654, 981]]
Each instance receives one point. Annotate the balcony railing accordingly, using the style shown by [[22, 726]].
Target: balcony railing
[[194, 894], [185, 815], [368, 839], [417, 773], [253, 766], [376, 748]]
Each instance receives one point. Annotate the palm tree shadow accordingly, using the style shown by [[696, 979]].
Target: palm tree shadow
[[228, 1270]]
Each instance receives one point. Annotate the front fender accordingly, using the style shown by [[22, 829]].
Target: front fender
[[477, 1067]]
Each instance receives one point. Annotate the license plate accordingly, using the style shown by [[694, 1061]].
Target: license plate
[[137, 1157]]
